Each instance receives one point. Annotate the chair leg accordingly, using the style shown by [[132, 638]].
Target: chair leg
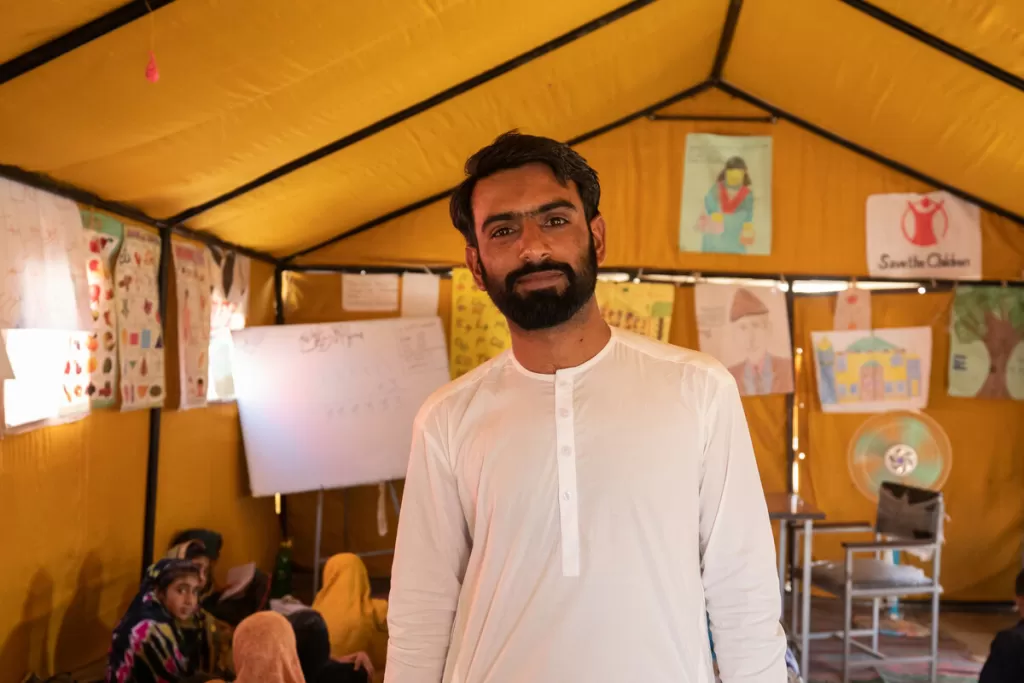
[[875, 605], [934, 672], [847, 626]]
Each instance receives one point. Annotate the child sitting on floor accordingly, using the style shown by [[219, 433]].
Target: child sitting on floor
[[1005, 662]]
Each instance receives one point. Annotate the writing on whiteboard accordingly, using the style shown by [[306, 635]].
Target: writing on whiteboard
[[323, 339]]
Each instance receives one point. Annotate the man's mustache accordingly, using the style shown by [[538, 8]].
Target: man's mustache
[[544, 267]]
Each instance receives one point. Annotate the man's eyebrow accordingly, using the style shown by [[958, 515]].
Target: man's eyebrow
[[544, 208]]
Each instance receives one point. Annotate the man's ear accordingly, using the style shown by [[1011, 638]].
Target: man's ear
[[473, 263], [597, 227]]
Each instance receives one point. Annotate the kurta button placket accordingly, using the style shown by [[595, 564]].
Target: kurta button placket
[[565, 441]]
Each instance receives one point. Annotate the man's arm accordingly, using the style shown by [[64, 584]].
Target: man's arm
[[431, 552], [737, 549]]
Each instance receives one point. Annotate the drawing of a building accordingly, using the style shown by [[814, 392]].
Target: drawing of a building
[[870, 369]]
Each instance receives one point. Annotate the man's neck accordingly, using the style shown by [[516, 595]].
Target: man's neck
[[565, 346]]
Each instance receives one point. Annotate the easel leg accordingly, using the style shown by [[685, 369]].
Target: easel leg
[[316, 541], [394, 499]]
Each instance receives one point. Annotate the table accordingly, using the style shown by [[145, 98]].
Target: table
[[788, 510]]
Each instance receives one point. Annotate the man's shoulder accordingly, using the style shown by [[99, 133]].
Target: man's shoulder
[[455, 391], [690, 360]]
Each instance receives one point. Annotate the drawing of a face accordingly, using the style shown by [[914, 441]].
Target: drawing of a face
[[752, 334]]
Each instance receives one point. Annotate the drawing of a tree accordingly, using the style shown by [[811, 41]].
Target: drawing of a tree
[[995, 317]]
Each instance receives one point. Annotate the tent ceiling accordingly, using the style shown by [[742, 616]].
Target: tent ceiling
[[248, 87]]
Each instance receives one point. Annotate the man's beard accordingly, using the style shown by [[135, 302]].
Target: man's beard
[[545, 308]]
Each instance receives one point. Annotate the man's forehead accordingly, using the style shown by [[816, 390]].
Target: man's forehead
[[521, 189]]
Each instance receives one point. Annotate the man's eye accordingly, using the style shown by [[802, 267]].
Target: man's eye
[[557, 220], [501, 232]]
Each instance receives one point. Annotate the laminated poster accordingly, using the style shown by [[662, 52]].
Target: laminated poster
[[137, 297], [479, 330], [103, 238], [193, 289], [986, 348], [644, 308]]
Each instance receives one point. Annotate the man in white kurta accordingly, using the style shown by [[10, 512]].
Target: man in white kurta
[[580, 524]]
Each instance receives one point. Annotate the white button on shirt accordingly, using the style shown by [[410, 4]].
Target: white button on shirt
[[577, 526]]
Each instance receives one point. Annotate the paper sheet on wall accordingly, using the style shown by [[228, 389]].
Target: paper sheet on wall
[[873, 371], [853, 310], [727, 195], [986, 346], [479, 330], [138, 320], [933, 235], [51, 377], [369, 293], [6, 371], [747, 329], [43, 283], [644, 308], [103, 237], [230, 276], [420, 293], [192, 276]]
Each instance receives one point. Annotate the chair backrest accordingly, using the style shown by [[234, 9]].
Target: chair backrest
[[907, 512]]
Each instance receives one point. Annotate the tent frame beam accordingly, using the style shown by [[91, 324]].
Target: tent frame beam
[[933, 41], [868, 153], [77, 37], [409, 208], [732, 18], [416, 109], [126, 211]]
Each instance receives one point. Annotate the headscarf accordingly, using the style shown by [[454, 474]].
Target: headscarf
[[149, 645], [211, 540], [356, 622], [313, 643], [216, 632], [265, 650]]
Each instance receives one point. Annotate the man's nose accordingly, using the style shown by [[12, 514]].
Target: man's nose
[[533, 243]]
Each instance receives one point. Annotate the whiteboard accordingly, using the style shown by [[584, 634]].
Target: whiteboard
[[330, 406]]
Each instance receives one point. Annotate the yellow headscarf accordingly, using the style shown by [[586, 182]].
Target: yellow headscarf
[[356, 622]]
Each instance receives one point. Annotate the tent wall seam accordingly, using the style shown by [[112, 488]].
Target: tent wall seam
[[933, 41], [77, 37], [415, 109]]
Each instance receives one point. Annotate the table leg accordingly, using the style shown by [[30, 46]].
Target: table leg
[[783, 532], [805, 619]]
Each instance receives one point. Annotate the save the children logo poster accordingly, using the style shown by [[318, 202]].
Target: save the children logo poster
[[727, 195], [933, 235]]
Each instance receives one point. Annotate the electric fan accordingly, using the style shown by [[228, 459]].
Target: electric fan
[[905, 448]]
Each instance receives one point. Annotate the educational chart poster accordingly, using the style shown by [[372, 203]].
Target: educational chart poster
[[747, 329], [103, 237], [873, 371], [986, 349], [644, 308], [137, 294], [479, 330], [932, 235], [193, 288], [727, 195]]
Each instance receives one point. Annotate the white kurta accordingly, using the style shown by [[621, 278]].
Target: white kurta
[[576, 526]]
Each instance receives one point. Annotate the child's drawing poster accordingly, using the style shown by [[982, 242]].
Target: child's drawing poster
[[853, 310], [192, 276], [137, 296], [479, 330], [727, 195], [986, 349], [644, 308], [747, 329], [229, 281], [103, 237], [873, 371]]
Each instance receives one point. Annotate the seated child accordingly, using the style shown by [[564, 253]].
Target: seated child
[[150, 644], [314, 646], [1005, 662]]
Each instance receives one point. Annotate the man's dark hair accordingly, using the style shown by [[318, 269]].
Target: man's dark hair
[[1020, 584], [513, 150]]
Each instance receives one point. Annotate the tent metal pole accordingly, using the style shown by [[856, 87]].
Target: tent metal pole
[[153, 456], [580, 139], [279, 320], [933, 41], [870, 154], [712, 119], [732, 18], [77, 37], [418, 108]]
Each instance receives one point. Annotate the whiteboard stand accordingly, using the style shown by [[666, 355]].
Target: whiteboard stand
[[317, 537]]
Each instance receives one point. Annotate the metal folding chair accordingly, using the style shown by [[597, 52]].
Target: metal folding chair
[[908, 519]]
